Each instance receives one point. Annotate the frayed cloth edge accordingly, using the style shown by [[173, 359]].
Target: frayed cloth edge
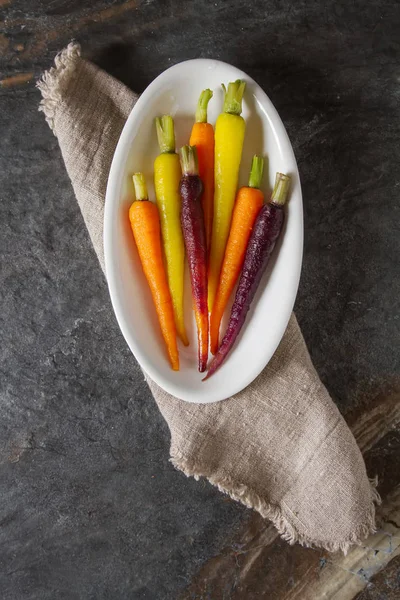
[[51, 82], [248, 497]]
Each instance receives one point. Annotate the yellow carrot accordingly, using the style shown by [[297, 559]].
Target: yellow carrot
[[229, 136], [167, 176]]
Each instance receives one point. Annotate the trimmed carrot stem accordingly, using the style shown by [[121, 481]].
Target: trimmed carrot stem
[[202, 106], [247, 206], [145, 224], [233, 97], [165, 134], [281, 189], [256, 172], [139, 183]]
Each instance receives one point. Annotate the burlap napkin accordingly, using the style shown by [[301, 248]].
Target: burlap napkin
[[281, 445]]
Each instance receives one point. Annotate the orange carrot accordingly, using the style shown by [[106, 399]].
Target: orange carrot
[[248, 203], [202, 137], [145, 224]]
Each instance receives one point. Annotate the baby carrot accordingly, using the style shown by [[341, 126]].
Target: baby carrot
[[145, 224], [194, 233], [266, 231], [249, 200], [202, 137], [167, 175], [229, 136]]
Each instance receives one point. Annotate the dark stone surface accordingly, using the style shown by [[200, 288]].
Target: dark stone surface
[[90, 507]]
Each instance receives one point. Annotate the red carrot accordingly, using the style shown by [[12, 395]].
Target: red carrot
[[267, 228], [194, 234]]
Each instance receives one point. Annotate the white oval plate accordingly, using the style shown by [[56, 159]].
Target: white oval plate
[[176, 92]]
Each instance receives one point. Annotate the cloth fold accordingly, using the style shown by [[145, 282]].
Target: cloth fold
[[280, 446]]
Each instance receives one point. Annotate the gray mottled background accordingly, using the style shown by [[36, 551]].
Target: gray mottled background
[[90, 506]]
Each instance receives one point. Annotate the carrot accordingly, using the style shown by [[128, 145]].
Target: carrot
[[145, 224], [194, 234], [266, 231], [249, 200], [202, 137], [167, 175], [229, 136]]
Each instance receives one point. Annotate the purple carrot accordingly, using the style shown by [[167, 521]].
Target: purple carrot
[[266, 230], [194, 234]]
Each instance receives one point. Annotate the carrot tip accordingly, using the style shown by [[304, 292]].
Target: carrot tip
[[183, 338], [203, 365]]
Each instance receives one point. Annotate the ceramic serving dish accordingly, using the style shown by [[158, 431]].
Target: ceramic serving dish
[[176, 92]]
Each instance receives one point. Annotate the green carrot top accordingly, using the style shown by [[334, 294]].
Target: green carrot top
[[281, 188], [233, 97], [189, 161], [256, 171], [139, 183], [165, 134], [202, 105]]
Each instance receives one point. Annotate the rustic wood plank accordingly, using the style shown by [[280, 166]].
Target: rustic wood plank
[[385, 585], [17, 79], [344, 576], [373, 424]]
